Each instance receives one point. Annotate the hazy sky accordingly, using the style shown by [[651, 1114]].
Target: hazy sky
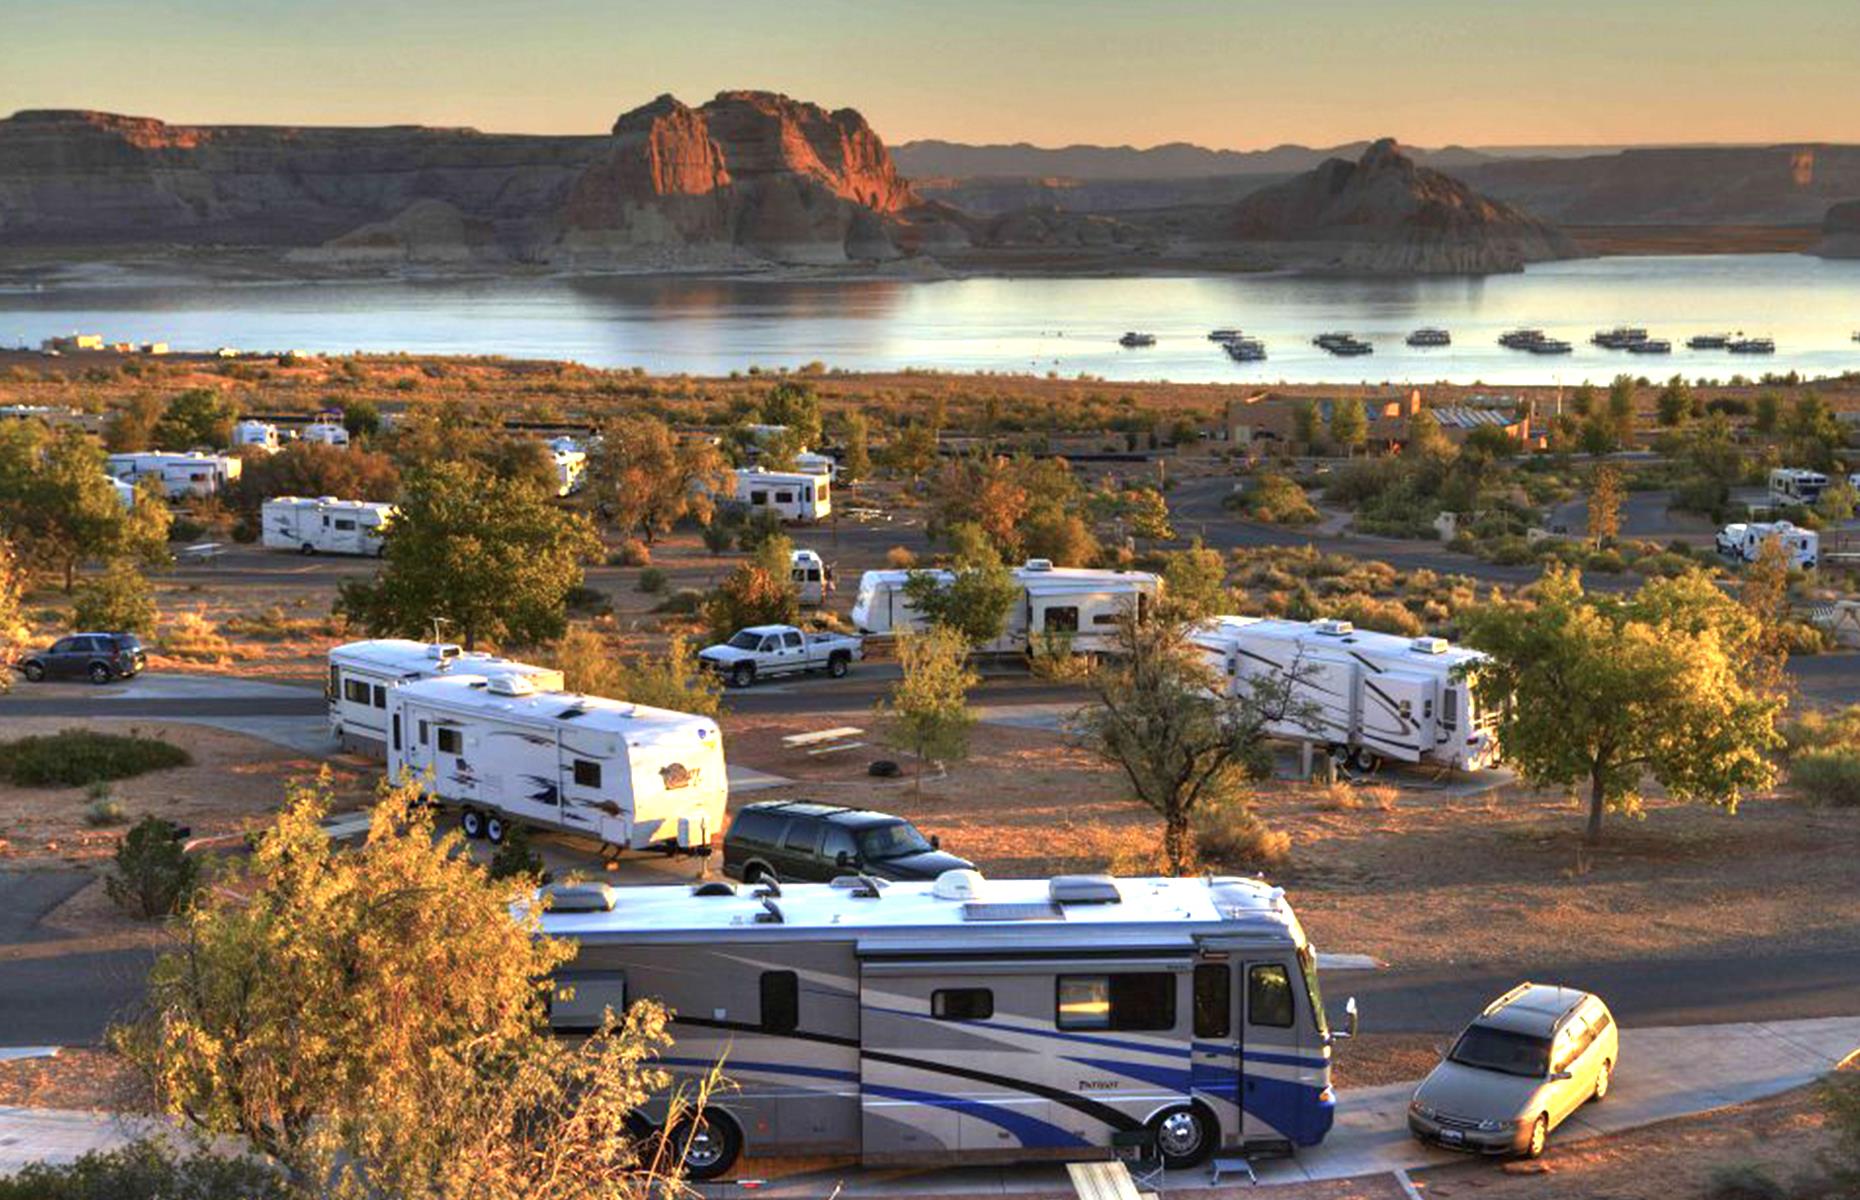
[[1245, 73]]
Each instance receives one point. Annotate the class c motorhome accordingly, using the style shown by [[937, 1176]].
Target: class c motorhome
[[361, 674], [324, 525], [1365, 696], [181, 475], [791, 495], [966, 1019], [1796, 486], [1077, 604], [507, 753]]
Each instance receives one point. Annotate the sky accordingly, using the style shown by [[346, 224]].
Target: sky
[[1240, 74]]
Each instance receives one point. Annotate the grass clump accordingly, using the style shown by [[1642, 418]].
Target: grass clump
[[82, 757], [1231, 835]]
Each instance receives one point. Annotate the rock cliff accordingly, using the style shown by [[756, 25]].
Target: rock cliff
[[1384, 214], [1840, 231]]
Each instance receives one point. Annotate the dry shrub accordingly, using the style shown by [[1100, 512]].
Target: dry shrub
[[900, 558], [191, 635], [1348, 797], [1230, 835]]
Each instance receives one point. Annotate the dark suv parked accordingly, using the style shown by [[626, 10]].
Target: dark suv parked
[[99, 657], [798, 840]]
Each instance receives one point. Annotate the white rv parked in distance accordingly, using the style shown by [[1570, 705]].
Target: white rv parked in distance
[[1796, 485], [1076, 603], [125, 492], [328, 433], [813, 579], [628, 776], [1743, 541], [325, 525], [792, 495], [190, 474], [262, 434], [362, 673], [1368, 696], [571, 468]]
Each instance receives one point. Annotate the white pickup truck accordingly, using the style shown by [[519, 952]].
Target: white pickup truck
[[764, 650]]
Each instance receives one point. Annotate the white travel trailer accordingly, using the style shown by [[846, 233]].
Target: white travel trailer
[[812, 577], [325, 525], [1743, 541], [361, 674], [792, 495], [967, 1019], [627, 776], [328, 433], [190, 474], [812, 462], [125, 492], [1366, 696], [1079, 604], [1796, 485], [262, 434]]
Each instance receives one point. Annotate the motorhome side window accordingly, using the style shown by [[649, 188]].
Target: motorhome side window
[[451, 741], [1269, 996], [355, 691], [781, 1001], [784, 497], [423, 738], [1213, 1000], [587, 774], [1134, 1000], [962, 1004], [758, 497], [1063, 620], [1450, 707], [380, 696]]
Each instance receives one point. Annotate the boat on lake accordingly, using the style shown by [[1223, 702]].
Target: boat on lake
[[1133, 339], [1752, 346], [1520, 339], [1651, 346], [1430, 337], [1224, 335], [1621, 337], [1549, 345], [1708, 341], [1246, 349]]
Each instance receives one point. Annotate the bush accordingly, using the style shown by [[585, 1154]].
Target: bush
[[191, 635], [1829, 775], [1232, 836], [719, 537], [81, 757], [145, 1170], [1276, 500], [653, 580], [900, 558], [632, 553], [584, 599], [516, 857], [154, 875], [118, 600], [684, 602], [102, 809], [757, 530], [1607, 562]]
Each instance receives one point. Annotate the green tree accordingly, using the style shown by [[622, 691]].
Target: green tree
[[361, 418], [1490, 443], [1768, 413], [1060, 537], [118, 600], [976, 599], [911, 450], [928, 712], [1838, 502], [751, 595], [12, 616], [373, 1021], [987, 493], [315, 469], [1608, 691], [1425, 439], [1179, 737], [495, 559], [131, 427], [857, 463], [1621, 419], [1674, 402], [644, 480], [1349, 426], [56, 503], [1148, 515], [1195, 582], [1582, 400], [796, 406], [594, 666], [196, 417], [1605, 494], [1305, 425]]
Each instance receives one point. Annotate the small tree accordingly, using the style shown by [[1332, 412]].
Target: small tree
[[857, 463], [118, 600], [1838, 503], [643, 479], [1425, 438], [796, 406], [975, 602], [1605, 505], [1768, 413], [928, 710], [911, 450], [1621, 419], [590, 664], [1674, 402], [1607, 691], [12, 621], [196, 417], [1349, 425], [154, 875], [1305, 424], [1195, 582], [751, 595]]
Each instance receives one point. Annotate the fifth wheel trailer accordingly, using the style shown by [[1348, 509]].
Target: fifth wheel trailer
[[1367, 695], [181, 475], [1081, 605], [506, 753], [966, 1019], [362, 673]]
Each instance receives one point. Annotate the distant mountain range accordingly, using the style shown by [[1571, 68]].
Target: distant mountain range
[[930, 159]]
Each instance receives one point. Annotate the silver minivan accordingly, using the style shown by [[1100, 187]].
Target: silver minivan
[[1524, 1065]]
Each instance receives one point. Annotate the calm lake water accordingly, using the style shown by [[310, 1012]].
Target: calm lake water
[[1810, 306]]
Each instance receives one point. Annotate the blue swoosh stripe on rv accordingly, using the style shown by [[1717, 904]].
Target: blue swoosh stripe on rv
[[1090, 1039]]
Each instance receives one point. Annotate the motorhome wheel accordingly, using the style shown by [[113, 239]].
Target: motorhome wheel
[[1184, 1136], [471, 823], [710, 1145]]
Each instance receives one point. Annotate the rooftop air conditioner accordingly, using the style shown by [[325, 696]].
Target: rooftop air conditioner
[[510, 685], [1039, 564], [960, 884], [1331, 627], [1428, 645], [442, 650]]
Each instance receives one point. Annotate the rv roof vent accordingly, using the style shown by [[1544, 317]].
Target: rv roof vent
[[442, 650], [862, 887], [581, 897], [1034, 910], [510, 685], [1332, 627], [716, 887], [1084, 889], [771, 913], [325, 499], [1039, 564], [960, 884], [1428, 645]]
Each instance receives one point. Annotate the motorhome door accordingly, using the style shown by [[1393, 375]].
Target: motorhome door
[[1215, 1066]]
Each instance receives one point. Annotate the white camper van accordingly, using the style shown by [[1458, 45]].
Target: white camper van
[[1796, 485], [812, 577], [1368, 696], [1743, 541], [362, 673], [628, 776], [792, 495], [328, 433], [325, 525], [969, 1019], [1076, 603], [190, 474], [262, 434]]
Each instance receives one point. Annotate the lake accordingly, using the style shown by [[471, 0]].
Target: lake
[[1070, 326]]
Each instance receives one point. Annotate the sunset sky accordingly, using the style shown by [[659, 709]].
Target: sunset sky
[[1241, 74]]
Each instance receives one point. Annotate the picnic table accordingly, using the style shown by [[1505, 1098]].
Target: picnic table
[[825, 741], [203, 553]]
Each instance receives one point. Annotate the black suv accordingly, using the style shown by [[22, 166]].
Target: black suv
[[99, 657], [798, 840]]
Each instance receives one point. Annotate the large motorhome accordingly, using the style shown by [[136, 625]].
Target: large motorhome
[[361, 674], [1080, 605], [325, 525], [1796, 486], [181, 475], [1365, 696], [625, 775], [792, 495], [1743, 541], [966, 1019]]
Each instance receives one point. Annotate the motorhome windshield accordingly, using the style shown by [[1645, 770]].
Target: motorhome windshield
[[742, 639], [1502, 1050], [1307, 962], [891, 841]]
